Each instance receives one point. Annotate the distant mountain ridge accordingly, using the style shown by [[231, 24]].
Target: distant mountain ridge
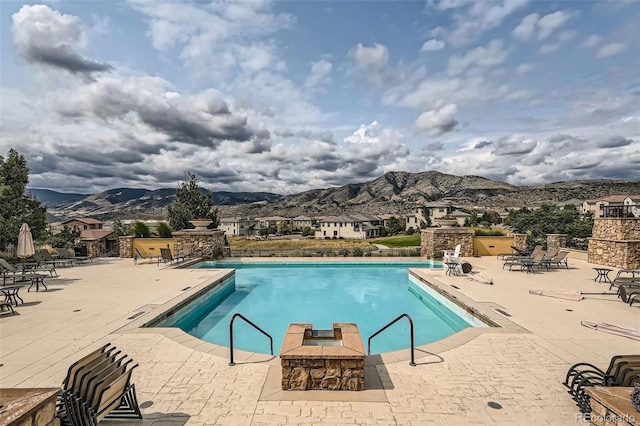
[[134, 202], [392, 193]]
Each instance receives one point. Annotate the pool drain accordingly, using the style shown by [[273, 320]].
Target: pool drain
[[500, 311], [494, 405]]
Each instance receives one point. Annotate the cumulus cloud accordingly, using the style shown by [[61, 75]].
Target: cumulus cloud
[[438, 122], [216, 37], [533, 25], [46, 37], [203, 119], [483, 56], [320, 71], [372, 61], [432, 45], [610, 49]]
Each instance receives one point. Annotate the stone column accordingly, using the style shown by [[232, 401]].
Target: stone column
[[93, 248], [208, 243], [434, 241], [126, 246], [556, 242], [520, 241], [615, 242]]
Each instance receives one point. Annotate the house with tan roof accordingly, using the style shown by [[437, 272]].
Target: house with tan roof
[[613, 206], [82, 223], [242, 226]]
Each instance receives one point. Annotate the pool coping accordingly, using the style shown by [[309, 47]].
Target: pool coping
[[149, 314]]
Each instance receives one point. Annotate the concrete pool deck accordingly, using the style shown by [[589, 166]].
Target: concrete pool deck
[[182, 380]]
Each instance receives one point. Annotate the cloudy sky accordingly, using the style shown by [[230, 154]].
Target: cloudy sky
[[289, 96]]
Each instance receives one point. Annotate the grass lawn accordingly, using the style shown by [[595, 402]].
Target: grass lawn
[[242, 243], [399, 241]]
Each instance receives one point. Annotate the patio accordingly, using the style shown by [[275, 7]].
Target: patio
[[182, 380]]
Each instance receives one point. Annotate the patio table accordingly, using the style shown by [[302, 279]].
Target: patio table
[[603, 275], [11, 295]]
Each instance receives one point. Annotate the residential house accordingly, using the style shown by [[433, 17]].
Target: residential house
[[264, 223], [460, 216], [298, 223], [356, 227], [242, 226], [611, 206], [82, 224], [97, 242], [435, 210]]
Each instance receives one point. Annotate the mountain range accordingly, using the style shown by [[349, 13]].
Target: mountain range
[[392, 193]]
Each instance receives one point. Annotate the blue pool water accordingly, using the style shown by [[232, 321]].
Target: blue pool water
[[274, 295]]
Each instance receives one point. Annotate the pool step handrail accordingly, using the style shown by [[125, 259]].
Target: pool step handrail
[[407, 316], [248, 321]]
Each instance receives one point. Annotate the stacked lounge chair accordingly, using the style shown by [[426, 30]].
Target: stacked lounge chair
[[623, 370], [98, 386]]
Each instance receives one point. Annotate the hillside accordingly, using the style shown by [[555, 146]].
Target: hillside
[[394, 192]]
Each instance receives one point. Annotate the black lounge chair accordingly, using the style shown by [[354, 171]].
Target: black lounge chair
[[139, 255], [626, 375], [583, 374]]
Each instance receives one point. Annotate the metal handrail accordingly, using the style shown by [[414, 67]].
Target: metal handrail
[[407, 316], [236, 315]]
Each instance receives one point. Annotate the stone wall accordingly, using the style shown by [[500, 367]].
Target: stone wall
[[615, 242], [323, 374], [556, 242], [208, 244], [93, 248], [520, 241], [29, 407], [434, 241], [126, 247]]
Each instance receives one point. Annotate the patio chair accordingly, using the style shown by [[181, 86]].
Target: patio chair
[[453, 255], [626, 374], [560, 259], [47, 259], [94, 389], [139, 255], [579, 373], [166, 256], [626, 276], [629, 292]]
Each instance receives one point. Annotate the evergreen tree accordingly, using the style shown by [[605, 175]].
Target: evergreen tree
[[17, 206], [191, 202]]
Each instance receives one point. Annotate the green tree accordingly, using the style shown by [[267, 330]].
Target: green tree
[[283, 227], [550, 219], [426, 213], [164, 230], [395, 225], [17, 206], [307, 231], [191, 202], [120, 229], [64, 238], [140, 229]]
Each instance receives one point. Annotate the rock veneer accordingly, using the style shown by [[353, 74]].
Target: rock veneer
[[29, 407], [321, 367], [206, 243], [435, 240], [615, 242]]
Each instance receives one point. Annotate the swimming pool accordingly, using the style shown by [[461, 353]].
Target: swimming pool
[[274, 294]]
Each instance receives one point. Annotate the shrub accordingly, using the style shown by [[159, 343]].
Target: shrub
[[358, 252], [488, 232], [141, 230], [164, 230]]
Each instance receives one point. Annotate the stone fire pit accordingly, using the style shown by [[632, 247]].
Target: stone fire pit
[[322, 359]]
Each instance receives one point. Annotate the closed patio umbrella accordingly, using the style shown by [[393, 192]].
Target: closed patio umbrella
[[25, 242]]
